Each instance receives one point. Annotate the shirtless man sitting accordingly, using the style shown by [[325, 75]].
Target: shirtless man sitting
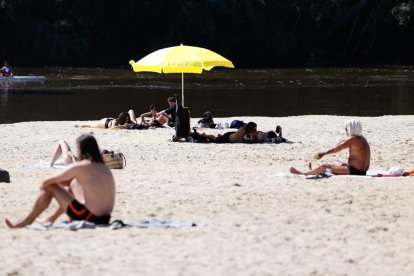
[[92, 185], [234, 136], [359, 154]]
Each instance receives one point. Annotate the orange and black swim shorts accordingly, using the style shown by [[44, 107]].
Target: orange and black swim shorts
[[77, 211]]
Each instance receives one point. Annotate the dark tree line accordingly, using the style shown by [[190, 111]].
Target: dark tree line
[[252, 33]]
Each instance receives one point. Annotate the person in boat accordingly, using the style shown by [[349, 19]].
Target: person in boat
[[155, 120], [247, 133], [359, 154], [92, 185], [123, 121], [6, 70], [169, 112]]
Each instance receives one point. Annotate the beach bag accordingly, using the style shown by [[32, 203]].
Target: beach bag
[[237, 124], [114, 160], [4, 176], [182, 123], [207, 120]]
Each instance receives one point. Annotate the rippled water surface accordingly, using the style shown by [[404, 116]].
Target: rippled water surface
[[87, 94]]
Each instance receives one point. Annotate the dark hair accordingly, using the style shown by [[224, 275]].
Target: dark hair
[[271, 134], [88, 148], [152, 106], [122, 118], [250, 127], [172, 99]]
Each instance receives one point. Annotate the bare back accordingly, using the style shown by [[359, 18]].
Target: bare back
[[359, 153], [94, 186], [237, 137]]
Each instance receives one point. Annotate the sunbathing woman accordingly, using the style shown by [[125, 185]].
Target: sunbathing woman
[[124, 119], [63, 152]]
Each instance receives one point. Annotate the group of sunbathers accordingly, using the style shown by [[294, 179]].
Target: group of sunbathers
[[129, 120], [86, 189], [245, 134]]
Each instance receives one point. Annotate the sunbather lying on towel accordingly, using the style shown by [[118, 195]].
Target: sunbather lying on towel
[[63, 152], [234, 136], [91, 183], [267, 136], [359, 154], [123, 121]]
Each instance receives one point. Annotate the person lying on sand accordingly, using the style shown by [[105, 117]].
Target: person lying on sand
[[234, 136], [156, 120], [124, 119], [359, 154], [91, 183], [63, 152], [264, 136]]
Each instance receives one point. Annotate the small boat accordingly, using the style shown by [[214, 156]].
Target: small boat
[[23, 78]]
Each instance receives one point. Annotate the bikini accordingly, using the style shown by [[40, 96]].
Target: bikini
[[353, 171], [108, 120], [77, 211]]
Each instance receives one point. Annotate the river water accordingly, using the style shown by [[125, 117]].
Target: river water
[[94, 93]]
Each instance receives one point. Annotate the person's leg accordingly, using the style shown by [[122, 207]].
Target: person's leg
[[210, 137], [162, 119], [98, 124], [339, 163], [132, 116], [340, 169], [55, 215], [62, 196], [279, 131], [321, 169], [142, 116], [62, 149], [60, 210], [318, 170]]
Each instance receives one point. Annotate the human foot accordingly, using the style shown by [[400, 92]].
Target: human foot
[[279, 131], [295, 171], [17, 225]]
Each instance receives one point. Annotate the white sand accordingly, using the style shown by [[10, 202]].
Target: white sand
[[258, 223]]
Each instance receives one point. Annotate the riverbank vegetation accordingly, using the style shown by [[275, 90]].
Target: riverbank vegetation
[[252, 33]]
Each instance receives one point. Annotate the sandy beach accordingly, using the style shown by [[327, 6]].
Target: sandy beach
[[257, 221]]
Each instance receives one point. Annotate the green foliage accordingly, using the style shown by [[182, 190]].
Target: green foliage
[[249, 32], [403, 13]]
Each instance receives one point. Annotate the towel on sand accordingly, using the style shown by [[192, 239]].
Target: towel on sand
[[44, 165], [116, 224]]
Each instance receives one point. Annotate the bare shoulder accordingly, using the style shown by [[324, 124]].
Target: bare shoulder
[[357, 140], [80, 165]]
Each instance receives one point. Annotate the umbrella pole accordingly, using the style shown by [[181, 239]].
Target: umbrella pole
[[182, 88]]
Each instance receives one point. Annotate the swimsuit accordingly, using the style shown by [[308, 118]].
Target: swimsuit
[[77, 211], [225, 138], [108, 120], [353, 171]]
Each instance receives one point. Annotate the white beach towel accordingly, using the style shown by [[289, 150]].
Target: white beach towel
[[117, 224], [44, 165]]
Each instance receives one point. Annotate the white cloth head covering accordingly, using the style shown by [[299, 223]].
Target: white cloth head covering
[[353, 127]]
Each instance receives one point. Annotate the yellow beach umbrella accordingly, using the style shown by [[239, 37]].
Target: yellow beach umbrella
[[180, 59]]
